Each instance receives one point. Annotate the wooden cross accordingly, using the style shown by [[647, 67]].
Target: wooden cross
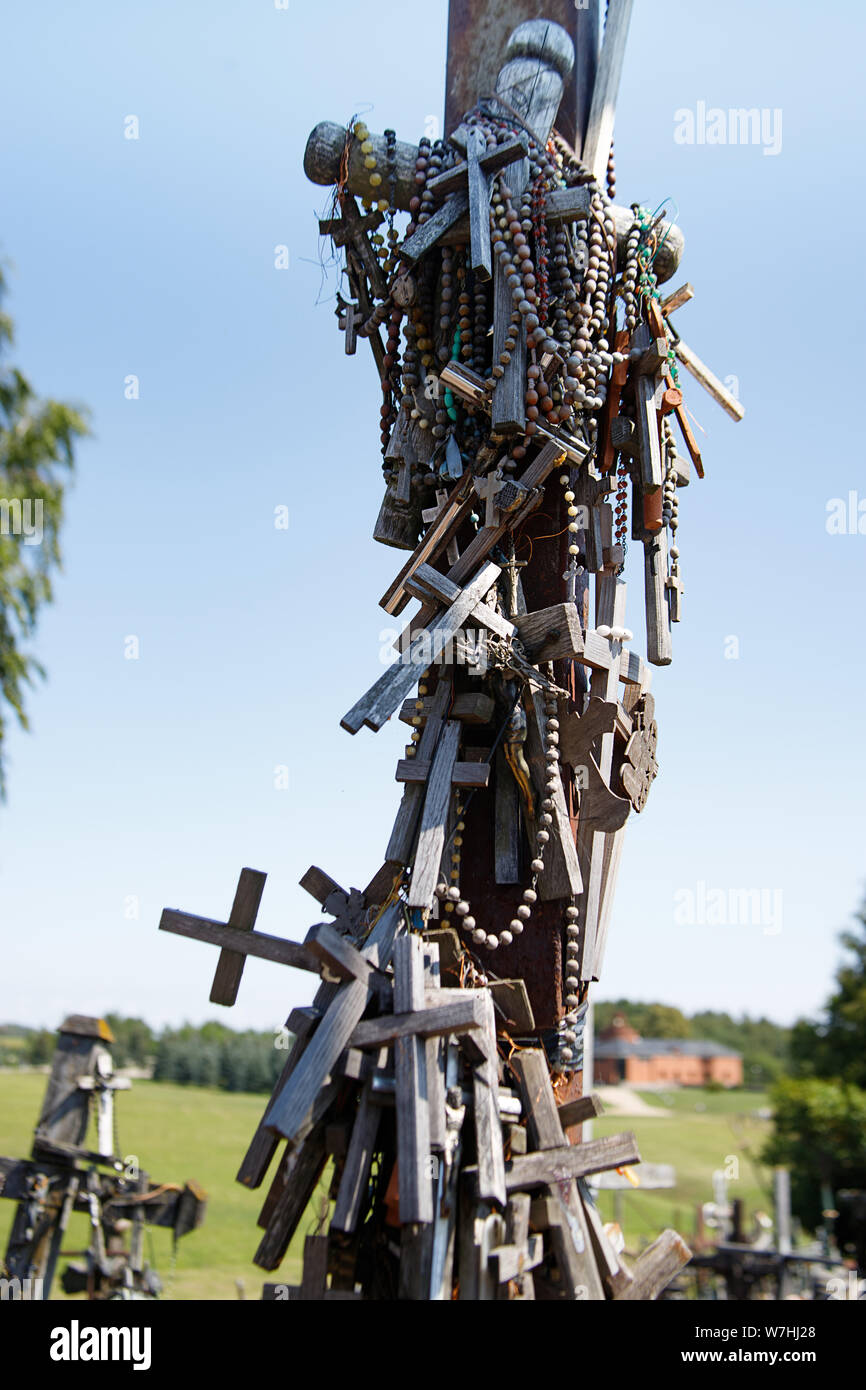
[[402, 450], [346, 907], [466, 186], [603, 651], [237, 939], [513, 567], [674, 592], [590, 490], [648, 375], [384, 697], [476, 172], [569, 1232], [658, 611], [350, 317], [430, 515], [487, 488], [350, 230], [431, 837], [639, 767]]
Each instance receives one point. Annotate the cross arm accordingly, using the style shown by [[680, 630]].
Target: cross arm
[[327, 144], [497, 158], [245, 943]]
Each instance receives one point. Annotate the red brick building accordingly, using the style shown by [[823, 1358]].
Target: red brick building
[[621, 1054]]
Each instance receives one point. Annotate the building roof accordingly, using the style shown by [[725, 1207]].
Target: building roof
[[662, 1047]]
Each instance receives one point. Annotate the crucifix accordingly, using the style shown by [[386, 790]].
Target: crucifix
[[508, 835]]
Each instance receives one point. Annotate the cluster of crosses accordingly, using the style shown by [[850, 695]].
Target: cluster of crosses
[[437, 1077], [63, 1175]]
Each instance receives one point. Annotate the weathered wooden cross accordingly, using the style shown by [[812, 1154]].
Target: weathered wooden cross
[[237, 939]]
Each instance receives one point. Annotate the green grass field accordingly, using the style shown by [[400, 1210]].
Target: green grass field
[[180, 1132], [707, 1131]]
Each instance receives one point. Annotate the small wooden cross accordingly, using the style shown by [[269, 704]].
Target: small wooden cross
[[350, 230], [487, 488], [648, 377], [351, 319], [674, 592], [513, 566], [237, 938], [431, 514], [590, 490], [466, 186]]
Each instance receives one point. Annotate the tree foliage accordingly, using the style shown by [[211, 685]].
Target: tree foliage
[[217, 1056], [650, 1020], [134, 1043], [820, 1113], [834, 1045], [820, 1134], [37, 439]]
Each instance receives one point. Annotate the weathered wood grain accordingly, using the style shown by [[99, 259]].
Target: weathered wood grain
[[462, 774], [709, 381], [658, 618], [230, 966], [410, 1066], [431, 837], [379, 703], [572, 1161], [551, 634], [488, 1128], [656, 1267], [301, 1023], [459, 1016], [569, 1233], [602, 112], [289, 1109], [615, 1276], [252, 943], [402, 840], [356, 1169], [577, 1112]]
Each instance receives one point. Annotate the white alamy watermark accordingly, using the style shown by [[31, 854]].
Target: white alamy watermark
[[852, 1289], [738, 125], [846, 516], [76, 1343], [703, 906], [466, 648], [21, 1290], [22, 518]]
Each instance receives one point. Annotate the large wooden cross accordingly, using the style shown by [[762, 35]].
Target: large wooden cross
[[535, 79]]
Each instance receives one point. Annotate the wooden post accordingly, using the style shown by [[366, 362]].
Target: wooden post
[[476, 39]]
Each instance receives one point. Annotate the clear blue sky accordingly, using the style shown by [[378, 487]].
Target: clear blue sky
[[154, 779]]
